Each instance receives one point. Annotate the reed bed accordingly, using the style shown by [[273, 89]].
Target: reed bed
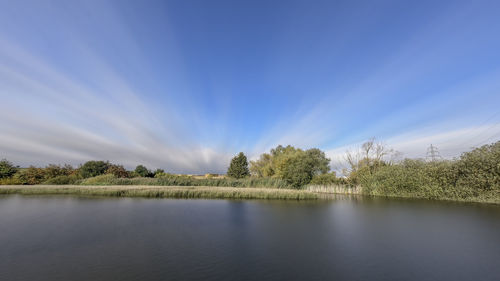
[[334, 189], [163, 192], [175, 180]]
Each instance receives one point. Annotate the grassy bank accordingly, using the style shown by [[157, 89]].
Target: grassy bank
[[163, 192], [208, 192]]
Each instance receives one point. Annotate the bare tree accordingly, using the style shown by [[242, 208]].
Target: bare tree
[[370, 153]]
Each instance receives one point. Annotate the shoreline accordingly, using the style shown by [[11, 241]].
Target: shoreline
[[185, 192], [205, 192]]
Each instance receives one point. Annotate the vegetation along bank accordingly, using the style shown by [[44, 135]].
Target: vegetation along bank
[[373, 169]]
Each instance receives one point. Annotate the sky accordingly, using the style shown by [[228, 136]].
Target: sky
[[185, 85]]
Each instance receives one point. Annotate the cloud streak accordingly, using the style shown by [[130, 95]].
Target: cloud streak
[[50, 118], [74, 89]]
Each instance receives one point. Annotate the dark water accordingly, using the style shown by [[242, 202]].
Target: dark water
[[70, 238]]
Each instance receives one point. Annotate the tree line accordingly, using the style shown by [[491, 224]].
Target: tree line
[[475, 175], [297, 167], [67, 174]]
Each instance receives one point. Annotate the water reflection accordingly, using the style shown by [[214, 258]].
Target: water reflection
[[345, 238]]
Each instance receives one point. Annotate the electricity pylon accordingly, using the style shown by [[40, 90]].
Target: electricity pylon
[[433, 153]]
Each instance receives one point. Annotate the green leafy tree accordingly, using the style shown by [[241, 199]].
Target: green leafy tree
[[294, 165], [238, 168], [296, 169], [263, 166], [267, 165], [93, 168], [143, 171], [7, 169], [318, 161]]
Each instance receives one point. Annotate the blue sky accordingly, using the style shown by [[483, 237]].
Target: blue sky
[[184, 85]]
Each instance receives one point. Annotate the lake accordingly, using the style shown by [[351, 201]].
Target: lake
[[347, 238]]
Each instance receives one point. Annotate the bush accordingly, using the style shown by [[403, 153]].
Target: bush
[[52, 171], [475, 175], [163, 174], [142, 171], [60, 180], [7, 169], [93, 168], [10, 181], [107, 179], [158, 171], [480, 168], [31, 175], [117, 170]]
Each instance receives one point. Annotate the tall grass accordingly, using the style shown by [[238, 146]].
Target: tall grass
[[334, 189], [163, 192], [174, 180]]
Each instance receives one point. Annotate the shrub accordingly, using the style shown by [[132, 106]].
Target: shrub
[[31, 175], [10, 181], [475, 175], [480, 168], [158, 171], [60, 180], [52, 170], [107, 179], [93, 168], [7, 169], [133, 174], [162, 175], [142, 171], [117, 170]]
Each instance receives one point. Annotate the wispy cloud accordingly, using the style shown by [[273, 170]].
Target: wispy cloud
[[51, 118], [390, 99]]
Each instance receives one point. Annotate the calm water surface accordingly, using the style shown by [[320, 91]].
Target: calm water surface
[[71, 238]]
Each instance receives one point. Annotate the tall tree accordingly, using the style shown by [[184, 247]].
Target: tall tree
[[294, 165], [238, 167]]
